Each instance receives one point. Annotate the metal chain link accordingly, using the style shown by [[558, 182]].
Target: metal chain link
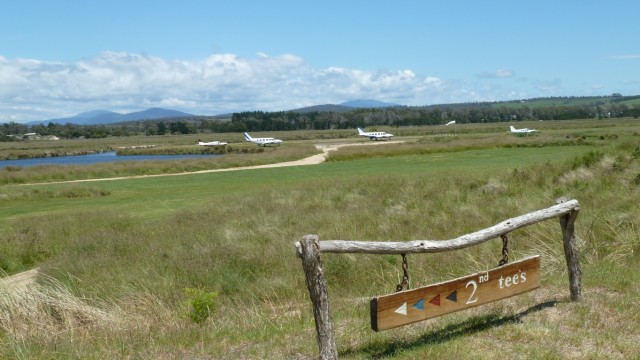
[[405, 276], [505, 250]]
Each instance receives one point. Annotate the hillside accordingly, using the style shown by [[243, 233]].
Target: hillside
[[345, 106], [322, 108], [571, 101], [104, 117], [368, 104]]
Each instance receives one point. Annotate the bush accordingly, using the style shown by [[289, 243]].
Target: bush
[[587, 160], [202, 304]]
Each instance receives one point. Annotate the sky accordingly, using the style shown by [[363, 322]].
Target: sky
[[59, 58]]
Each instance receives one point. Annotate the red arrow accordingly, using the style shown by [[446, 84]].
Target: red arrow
[[435, 300]]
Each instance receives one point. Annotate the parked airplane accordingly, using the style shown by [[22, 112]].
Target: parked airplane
[[521, 131], [262, 141], [211, 143], [375, 135]]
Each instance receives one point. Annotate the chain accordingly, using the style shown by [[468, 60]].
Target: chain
[[505, 250], [405, 274]]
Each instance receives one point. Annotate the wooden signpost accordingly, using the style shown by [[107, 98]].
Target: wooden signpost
[[409, 306], [405, 307]]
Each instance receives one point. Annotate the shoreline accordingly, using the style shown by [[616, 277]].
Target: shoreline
[[311, 160]]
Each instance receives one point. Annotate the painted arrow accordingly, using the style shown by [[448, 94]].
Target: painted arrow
[[402, 309]]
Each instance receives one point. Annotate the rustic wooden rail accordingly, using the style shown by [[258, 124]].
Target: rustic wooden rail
[[310, 247]]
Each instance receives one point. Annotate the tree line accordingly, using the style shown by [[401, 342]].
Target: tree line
[[255, 121], [414, 116]]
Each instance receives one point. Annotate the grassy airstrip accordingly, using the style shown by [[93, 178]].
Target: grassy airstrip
[[203, 265]]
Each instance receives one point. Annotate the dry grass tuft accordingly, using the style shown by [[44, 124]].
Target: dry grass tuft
[[575, 177], [41, 310], [494, 187]]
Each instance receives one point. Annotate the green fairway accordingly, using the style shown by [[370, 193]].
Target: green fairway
[[162, 195]]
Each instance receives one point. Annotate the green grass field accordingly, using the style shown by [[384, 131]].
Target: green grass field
[[203, 265], [173, 193]]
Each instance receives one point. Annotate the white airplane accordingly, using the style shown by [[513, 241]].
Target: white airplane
[[521, 131], [211, 143], [262, 141], [450, 123], [375, 135]]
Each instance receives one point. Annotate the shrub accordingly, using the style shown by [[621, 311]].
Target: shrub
[[202, 304], [589, 159]]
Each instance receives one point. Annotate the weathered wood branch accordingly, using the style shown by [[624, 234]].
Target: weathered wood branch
[[317, 285], [571, 253], [432, 246]]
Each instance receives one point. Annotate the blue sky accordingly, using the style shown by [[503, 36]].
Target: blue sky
[[60, 58]]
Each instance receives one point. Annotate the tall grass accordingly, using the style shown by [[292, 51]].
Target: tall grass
[[129, 274]]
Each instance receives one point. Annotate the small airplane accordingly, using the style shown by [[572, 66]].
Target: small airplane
[[211, 143], [262, 141], [521, 131], [375, 135]]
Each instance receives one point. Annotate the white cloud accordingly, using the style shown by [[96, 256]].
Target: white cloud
[[120, 81], [432, 81], [551, 87], [124, 82], [498, 74]]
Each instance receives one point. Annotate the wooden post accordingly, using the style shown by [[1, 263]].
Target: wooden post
[[567, 222], [310, 247], [309, 251]]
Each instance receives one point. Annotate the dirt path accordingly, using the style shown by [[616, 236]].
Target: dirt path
[[311, 160]]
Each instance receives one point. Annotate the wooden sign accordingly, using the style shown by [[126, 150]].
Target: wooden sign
[[406, 307]]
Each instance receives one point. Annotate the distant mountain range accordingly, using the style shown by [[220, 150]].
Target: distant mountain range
[[346, 106], [365, 103], [103, 117]]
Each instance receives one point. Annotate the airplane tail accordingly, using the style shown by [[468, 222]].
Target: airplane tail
[[247, 137], [360, 132], [512, 128]]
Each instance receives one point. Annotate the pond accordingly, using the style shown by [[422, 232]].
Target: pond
[[109, 156]]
